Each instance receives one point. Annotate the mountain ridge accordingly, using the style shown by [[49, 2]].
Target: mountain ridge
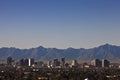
[[106, 51]]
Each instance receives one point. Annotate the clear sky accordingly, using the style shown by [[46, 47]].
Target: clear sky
[[59, 23]]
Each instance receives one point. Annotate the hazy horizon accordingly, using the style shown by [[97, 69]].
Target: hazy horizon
[[59, 24], [59, 48]]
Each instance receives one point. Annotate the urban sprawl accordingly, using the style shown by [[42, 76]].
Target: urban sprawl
[[58, 69]]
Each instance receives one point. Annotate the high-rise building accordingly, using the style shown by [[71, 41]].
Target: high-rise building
[[56, 62], [62, 62], [30, 61], [96, 63], [9, 61], [26, 62], [105, 63], [49, 64], [21, 62], [74, 63]]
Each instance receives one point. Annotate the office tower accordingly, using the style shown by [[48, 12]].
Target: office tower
[[9, 61], [105, 63], [96, 63], [26, 62], [21, 62], [74, 63], [49, 64], [62, 62], [56, 62], [30, 61]]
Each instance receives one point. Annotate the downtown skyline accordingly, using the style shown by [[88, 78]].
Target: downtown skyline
[[60, 24]]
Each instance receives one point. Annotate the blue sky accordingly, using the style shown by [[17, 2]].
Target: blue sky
[[59, 23]]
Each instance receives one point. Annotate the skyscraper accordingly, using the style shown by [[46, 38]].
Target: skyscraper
[[105, 63], [21, 62], [26, 62], [74, 63], [96, 63], [49, 64], [62, 62], [56, 62], [9, 61], [30, 61]]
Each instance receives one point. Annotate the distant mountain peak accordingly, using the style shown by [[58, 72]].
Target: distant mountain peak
[[106, 51], [70, 48], [40, 47], [106, 45]]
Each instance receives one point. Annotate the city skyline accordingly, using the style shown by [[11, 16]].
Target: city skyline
[[59, 24]]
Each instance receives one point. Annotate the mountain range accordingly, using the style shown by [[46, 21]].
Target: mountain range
[[107, 51]]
